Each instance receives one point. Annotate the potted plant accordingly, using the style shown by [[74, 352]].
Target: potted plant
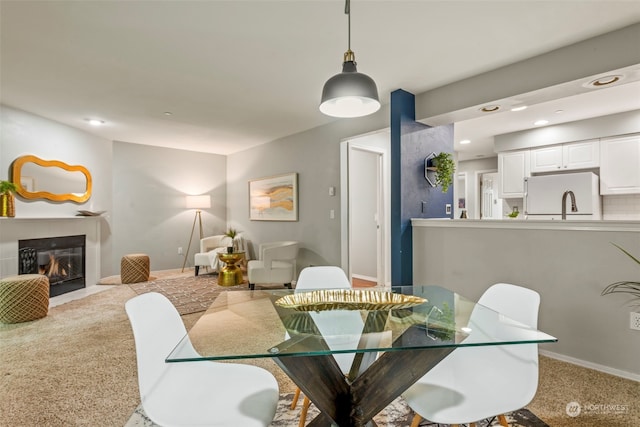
[[625, 286], [444, 167], [7, 198], [232, 233]]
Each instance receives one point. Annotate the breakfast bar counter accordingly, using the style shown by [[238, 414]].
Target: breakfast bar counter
[[568, 262]]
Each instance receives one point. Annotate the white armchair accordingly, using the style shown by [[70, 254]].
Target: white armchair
[[210, 247], [276, 263]]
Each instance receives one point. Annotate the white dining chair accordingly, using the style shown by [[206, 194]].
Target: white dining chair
[[341, 329], [194, 393], [476, 383]]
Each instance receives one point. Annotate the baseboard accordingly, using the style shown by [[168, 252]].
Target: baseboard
[[595, 366]]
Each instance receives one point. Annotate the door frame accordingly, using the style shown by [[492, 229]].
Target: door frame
[[383, 253], [477, 190]]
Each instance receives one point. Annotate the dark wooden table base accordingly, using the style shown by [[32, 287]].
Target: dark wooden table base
[[355, 404]]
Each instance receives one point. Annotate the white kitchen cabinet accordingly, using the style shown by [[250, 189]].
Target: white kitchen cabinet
[[513, 167], [569, 156], [620, 165]]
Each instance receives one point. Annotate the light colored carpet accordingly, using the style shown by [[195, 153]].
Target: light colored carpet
[[76, 367]]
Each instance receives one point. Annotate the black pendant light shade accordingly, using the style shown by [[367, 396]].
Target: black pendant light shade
[[350, 93]]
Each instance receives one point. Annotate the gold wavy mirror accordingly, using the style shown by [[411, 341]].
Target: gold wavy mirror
[[54, 180]]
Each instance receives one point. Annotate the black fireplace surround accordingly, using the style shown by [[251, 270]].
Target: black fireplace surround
[[61, 259]]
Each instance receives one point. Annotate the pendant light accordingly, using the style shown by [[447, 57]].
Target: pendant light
[[350, 93]]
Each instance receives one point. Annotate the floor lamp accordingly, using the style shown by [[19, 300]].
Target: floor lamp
[[197, 203]]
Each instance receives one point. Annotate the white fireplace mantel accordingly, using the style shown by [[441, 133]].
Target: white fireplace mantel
[[21, 228]]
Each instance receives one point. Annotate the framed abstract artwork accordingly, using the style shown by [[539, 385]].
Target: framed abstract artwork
[[274, 198]]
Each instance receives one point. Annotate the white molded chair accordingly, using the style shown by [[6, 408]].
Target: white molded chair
[[210, 247], [193, 393], [330, 277], [475, 383], [276, 263]]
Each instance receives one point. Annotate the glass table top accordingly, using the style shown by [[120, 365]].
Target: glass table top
[[250, 324]]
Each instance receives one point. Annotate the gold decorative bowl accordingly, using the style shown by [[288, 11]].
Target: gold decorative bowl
[[348, 299]]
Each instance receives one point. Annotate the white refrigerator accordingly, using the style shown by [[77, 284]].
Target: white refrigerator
[[544, 194]]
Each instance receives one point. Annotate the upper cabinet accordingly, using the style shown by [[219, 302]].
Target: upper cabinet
[[513, 167], [620, 165], [569, 156]]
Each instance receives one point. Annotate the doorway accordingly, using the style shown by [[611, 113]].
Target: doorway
[[490, 202], [365, 208]]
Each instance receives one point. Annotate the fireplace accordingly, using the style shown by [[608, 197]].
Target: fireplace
[[61, 259]]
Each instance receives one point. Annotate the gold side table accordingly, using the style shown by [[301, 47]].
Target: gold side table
[[230, 274]]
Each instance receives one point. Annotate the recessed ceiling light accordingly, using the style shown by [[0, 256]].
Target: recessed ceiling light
[[490, 108], [520, 108], [604, 81], [168, 113], [465, 141], [540, 122], [95, 122], [559, 111]]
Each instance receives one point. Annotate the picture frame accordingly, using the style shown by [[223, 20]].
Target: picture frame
[[274, 198]]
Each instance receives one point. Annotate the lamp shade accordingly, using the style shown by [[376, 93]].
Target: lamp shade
[[198, 202], [349, 94]]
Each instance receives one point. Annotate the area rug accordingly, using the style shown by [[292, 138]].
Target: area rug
[[188, 294], [397, 414]]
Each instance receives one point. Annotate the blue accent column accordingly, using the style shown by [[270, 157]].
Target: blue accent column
[[411, 195], [403, 111]]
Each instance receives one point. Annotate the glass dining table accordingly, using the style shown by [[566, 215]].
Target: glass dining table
[[352, 352]]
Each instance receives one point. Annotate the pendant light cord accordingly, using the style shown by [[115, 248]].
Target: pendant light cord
[[347, 10]]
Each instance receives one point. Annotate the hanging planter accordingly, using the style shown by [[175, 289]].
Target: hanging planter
[[7, 199], [442, 167]]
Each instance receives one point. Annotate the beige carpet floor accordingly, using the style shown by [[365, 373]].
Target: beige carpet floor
[[76, 367]]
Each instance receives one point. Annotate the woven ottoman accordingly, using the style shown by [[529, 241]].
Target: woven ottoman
[[23, 298], [134, 268]]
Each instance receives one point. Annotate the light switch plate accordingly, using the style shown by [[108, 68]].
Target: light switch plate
[[448, 208]]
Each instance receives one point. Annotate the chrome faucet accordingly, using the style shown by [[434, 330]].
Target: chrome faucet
[[574, 207]]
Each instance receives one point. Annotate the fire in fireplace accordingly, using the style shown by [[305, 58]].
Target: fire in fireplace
[[61, 259]]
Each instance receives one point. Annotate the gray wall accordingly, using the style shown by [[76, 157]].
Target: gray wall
[[315, 156], [569, 268], [149, 189], [23, 133], [611, 51]]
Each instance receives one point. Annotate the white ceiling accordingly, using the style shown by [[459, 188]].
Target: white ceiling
[[235, 74]]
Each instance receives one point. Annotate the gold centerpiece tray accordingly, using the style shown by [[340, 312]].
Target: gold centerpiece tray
[[348, 299]]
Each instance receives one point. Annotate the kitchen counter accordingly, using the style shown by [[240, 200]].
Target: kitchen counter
[[523, 224], [568, 263]]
